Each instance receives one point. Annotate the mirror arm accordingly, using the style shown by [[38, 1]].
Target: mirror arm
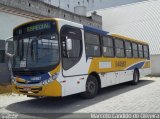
[[9, 59], [6, 48]]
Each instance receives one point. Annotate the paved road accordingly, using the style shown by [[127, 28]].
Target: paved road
[[123, 98]]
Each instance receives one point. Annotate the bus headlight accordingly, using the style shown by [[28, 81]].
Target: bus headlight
[[52, 78], [44, 83]]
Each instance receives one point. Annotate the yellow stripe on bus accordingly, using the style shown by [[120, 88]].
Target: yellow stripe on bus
[[117, 64]]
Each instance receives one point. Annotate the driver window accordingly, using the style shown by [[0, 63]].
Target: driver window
[[71, 55]]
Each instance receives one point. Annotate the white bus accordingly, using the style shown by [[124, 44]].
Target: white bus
[[56, 57]]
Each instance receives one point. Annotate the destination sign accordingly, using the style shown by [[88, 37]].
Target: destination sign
[[37, 27], [34, 27]]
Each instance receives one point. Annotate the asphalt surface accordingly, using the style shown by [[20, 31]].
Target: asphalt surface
[[123, 98]]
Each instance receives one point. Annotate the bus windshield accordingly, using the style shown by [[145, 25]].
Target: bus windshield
[[36, 52]]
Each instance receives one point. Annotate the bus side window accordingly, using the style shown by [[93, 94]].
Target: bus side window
[[128, 49], [146, 51], [108, 47], [135, 50], [119, 47], [140, 49], [92, 45]]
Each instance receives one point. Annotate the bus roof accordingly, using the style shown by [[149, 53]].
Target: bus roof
[[127, 38], [95, 30]]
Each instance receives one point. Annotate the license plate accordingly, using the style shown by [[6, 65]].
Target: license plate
[[27, 89], [23, 64]]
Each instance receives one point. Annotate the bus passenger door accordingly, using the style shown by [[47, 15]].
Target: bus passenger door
[[72, 52]]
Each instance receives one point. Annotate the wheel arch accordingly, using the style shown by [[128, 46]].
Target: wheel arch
[[96, 75]]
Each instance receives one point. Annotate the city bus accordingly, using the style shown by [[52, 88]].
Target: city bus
[[57, 58]]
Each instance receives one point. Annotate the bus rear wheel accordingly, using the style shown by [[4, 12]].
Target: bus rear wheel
[[91, 88], [135, 77]]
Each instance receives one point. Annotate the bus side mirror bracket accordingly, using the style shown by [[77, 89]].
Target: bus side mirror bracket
[[68, 44], [10, 55], [7, 48]]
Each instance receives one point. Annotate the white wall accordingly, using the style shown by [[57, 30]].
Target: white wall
[[155, 62], [139, 20], [8, 22]]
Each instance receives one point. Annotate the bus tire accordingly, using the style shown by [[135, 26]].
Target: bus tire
[[135, 77], [91, 88]]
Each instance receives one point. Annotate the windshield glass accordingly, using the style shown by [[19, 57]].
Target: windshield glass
[[36, 52]]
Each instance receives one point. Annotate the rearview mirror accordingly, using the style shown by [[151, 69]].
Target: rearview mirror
[[9, 47], [68, 44]]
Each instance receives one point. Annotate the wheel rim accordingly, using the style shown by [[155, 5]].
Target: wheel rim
[[91, 87]]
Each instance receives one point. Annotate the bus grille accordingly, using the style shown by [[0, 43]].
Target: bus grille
[[33, 90]]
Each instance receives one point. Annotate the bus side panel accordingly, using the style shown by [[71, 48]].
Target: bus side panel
[[146, 70], [113, 78], [74, 85], [108, 79], [125, 76], [113, 71]]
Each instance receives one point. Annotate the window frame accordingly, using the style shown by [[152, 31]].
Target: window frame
[[135, 50], [128, 49], [108, 46], [119, 47], [148, 53], [142, 51], [100, 44], [81, 47], [132, 49]]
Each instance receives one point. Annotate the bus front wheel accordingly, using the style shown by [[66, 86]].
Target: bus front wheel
[[135, 77], [91, 88]]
